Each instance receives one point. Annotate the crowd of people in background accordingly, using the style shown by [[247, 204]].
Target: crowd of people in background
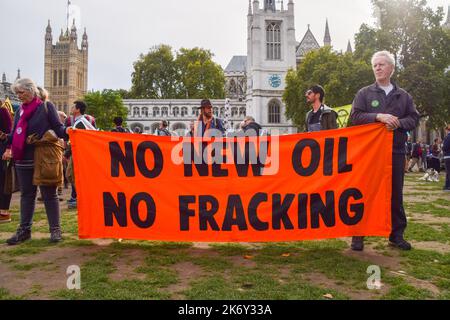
[[421, 157]]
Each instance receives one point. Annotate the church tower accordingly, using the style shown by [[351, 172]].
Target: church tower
[[271, 48], [66, 67]]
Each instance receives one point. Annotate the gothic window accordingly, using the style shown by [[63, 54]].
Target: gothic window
[[155, 112], [273, 38], [234, 112], [233, 90], [55, 78], [135, 112], [184, 111], [216, 111], [274, 111], [176, 112], [194, 111], [164, 111], [145, 112], [65, 77], [242, 112], [60, 78], [222, 111]]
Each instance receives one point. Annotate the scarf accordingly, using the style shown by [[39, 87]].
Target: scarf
[[26, 111]]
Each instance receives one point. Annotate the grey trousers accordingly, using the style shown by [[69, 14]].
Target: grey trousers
[[28, 200]]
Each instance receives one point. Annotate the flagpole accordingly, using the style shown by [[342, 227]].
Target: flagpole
[[68, 4]]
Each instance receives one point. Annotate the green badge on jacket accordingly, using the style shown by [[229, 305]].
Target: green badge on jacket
[[375, 103]]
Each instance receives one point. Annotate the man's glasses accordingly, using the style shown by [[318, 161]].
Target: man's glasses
[[308, 92]]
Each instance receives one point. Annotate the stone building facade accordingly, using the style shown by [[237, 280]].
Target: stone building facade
[[254, 84], [66, 67]]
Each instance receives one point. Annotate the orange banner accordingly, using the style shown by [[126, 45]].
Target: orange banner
[[299, 187]]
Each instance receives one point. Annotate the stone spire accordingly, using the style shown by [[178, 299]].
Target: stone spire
[[4, 78], [73, 32], [249, 7], [269, 5], [282, 5], [48, 34], [84, 43], [18, 74], [349, 47], [327, 38]]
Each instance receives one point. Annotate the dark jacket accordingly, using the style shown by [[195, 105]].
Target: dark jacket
[[446, 147], [416, 151], [253, 126], [372, 100], [43, 119], [120, 129], [5, 126], [328, 118]]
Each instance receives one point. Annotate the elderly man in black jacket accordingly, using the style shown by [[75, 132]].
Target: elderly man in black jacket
[[385, 102]]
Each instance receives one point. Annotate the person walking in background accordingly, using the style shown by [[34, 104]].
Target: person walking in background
[[386, 103], [33, 117], [5, 198], [416, 155], [435, 151]]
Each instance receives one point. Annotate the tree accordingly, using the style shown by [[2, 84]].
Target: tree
[[341, 75], [191, 74], [413, 33], [155, 75], [105, 106], [199, 76]]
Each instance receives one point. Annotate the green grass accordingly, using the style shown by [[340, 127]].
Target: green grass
[[235, 271], [422, 232], [427, 208]]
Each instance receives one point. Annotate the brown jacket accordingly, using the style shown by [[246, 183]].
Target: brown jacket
[[48, 154]]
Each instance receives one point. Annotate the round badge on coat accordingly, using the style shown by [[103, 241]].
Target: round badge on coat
[[19, 130], [375, 103]]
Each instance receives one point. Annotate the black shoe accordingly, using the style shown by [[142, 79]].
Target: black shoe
[[357, 244], [401, 244], [20, 236], [55, 236]]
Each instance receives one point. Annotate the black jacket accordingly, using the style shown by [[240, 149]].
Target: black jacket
[[253, 126], [372, 100]]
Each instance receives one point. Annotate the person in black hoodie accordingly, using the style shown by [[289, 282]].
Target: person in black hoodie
[[446, 151]]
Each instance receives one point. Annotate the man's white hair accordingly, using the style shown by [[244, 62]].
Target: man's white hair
[[386, 54]]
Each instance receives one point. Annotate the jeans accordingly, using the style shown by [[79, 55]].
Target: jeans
[[5, 199], [447, 178], [73, 195], [28, 201]]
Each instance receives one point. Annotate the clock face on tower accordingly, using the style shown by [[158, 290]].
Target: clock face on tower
[[275, 80]]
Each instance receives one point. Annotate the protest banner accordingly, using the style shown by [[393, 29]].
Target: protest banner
[[320, 185]]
